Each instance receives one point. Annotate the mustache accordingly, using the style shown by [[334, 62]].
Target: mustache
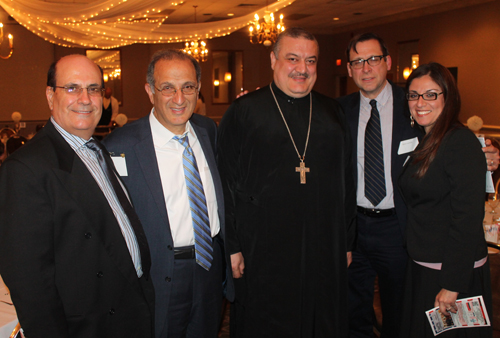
[[297, 74]]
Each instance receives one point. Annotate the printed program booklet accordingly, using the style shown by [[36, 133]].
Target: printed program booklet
[[471, 313]]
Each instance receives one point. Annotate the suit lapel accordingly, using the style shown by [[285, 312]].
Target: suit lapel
[[81, 186], [208, 150], [146, 156], [353, 121], [400, 124]]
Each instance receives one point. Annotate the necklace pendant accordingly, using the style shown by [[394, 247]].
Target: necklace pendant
[[303, 170]]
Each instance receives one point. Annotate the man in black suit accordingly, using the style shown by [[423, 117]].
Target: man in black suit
[[73, 255], [380, 248], [188, 293]]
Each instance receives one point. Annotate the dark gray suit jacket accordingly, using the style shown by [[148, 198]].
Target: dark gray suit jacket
[[62, 253], [401, 130], [143, 181]]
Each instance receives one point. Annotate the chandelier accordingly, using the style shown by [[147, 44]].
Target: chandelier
[[196, 47], [266, 32], [11, 42]]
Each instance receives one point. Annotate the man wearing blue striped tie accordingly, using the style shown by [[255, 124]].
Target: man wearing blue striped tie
[[72, 250], [174, 184]]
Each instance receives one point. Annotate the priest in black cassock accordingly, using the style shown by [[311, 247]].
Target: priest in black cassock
[[285, 162]]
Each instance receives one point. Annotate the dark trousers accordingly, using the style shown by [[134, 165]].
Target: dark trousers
[[379, 252], [196, 301]]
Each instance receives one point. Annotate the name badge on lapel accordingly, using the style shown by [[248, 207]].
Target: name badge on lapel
[[120, 164], [407, 146]]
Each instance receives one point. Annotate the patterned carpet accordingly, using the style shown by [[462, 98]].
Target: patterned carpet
[[224, 330]]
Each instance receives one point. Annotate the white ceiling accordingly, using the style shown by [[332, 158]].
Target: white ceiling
[[314, 15], [114, 23]]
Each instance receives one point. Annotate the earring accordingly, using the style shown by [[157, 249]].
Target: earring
[[412, 122]]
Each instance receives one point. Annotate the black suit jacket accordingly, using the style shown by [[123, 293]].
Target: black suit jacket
[[62, 253], [446, 209], [136, 142], [401, 130]]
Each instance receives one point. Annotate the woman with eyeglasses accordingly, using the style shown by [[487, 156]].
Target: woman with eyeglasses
[[443, 184]]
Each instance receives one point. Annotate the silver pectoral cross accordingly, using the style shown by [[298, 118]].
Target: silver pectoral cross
[[303, 170]]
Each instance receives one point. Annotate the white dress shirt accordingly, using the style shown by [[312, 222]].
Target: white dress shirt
[[385, 108], [169, 157]]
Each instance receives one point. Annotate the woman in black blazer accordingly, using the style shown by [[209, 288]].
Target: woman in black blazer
[[443, 185]]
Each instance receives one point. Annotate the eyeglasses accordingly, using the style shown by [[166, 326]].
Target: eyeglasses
[[169, 91], [77, 90], [430, 96], [372, 61]]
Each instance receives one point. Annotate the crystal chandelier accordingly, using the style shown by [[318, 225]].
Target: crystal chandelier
[[11, 42], [266, 32], [196, 47]]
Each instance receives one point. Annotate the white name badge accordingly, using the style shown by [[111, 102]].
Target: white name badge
[[490, 186], [407, 146], [120, 164]]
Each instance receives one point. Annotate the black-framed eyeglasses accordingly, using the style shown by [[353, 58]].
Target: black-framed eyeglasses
[[372, 61], [430, 96], [77, 90], [169, 90]]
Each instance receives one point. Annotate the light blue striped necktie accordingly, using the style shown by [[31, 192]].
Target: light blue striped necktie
[[374, 158], [198, 204]]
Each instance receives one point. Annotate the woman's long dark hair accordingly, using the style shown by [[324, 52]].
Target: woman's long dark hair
[[448, 120]]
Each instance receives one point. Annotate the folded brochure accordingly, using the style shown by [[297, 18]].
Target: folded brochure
[[471, 313]]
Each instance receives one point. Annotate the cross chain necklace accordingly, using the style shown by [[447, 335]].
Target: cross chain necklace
[[302, 168]]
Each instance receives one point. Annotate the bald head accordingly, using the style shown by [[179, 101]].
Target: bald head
[[76, 109]]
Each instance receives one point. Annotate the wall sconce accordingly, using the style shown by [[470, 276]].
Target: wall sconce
[[11, 42], [216, 83], [106, 77], [406, 73], [415, 60], [227, 77], [414, 64]]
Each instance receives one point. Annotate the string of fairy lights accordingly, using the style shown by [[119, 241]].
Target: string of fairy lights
[[111, 24]]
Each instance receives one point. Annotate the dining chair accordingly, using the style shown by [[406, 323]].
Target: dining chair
[[16, 333]]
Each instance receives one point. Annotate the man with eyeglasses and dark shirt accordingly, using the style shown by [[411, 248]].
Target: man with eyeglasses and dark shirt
[[72, 250], [383, 138], [174, 184]]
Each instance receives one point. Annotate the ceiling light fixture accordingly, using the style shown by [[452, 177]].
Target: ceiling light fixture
[[196, 47], [266, 32]]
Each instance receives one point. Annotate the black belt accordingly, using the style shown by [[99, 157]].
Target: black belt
[[185, 252], [188, 252], [377, 212]]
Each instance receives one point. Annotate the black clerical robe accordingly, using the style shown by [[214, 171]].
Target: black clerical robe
[[294, 237]]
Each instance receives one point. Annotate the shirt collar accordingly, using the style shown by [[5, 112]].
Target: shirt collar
[[161, 135], [75, 142], [281, 94], [382, 98]]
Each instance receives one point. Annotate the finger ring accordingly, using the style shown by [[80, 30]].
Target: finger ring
[[491, 162], [448, 309]]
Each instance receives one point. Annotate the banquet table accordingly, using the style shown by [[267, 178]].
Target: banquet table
[[8, 317], [489, 220]]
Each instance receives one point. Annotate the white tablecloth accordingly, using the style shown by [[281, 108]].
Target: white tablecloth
[[490, 218], [8, 317]]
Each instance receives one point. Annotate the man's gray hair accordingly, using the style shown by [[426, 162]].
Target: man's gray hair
[[170, 54]]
